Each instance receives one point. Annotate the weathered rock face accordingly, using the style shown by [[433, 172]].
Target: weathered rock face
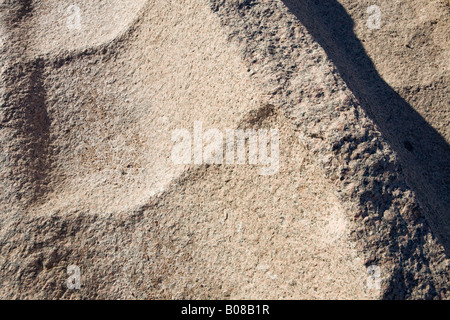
[[415, 62], [91, 95]]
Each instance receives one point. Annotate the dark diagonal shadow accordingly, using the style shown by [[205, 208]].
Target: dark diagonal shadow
[[424, 153]]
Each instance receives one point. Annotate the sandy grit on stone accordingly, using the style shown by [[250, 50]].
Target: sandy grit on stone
[[91, 93]]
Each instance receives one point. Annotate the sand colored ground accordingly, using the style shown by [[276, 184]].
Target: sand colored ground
[[88, 110]]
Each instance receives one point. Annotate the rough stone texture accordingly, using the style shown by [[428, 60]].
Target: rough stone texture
[[85, 127], [423, 150]]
